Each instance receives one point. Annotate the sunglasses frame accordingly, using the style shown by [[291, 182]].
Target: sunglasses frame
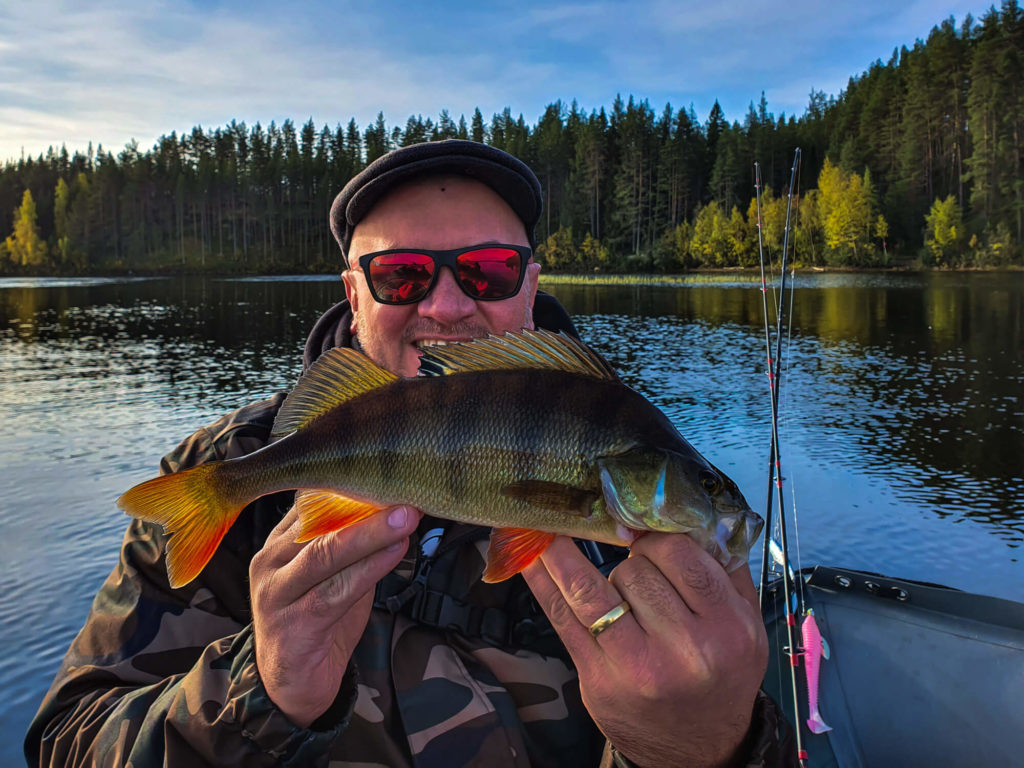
[[446, 259]]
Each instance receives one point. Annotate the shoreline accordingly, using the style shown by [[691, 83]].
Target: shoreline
[[563, 277]]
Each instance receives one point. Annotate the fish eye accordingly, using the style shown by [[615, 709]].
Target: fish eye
[[710, 482]]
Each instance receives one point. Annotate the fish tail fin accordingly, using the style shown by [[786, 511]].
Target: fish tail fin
[[195, 507], [817, 724]]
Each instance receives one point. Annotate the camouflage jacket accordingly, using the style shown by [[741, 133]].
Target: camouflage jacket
[[162, 676]]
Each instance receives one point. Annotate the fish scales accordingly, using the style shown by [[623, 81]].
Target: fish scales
[[377, 447], [528, 432]]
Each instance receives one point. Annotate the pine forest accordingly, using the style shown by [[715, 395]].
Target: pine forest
[[918, 162]]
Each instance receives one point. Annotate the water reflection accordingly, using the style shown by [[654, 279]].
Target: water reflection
[[902, 417], [923, 376]]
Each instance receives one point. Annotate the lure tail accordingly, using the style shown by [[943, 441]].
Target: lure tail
[[195, 507], [816, 724]]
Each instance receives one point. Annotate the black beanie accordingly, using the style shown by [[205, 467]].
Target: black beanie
[[511, 178]]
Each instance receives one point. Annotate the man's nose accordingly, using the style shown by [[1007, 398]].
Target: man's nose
[[446, 303]]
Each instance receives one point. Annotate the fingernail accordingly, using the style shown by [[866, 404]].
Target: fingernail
[[398, 517], [396, 546]]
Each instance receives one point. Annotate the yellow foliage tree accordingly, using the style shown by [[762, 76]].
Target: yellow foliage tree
[[945, 234], [592, 254], [558, 251], [710, 241], [25, 246], [773, 221], [674, 248], [807, 230], [845, 210], [742, 242]]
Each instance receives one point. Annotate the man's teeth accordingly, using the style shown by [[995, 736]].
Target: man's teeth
[[432, 343]]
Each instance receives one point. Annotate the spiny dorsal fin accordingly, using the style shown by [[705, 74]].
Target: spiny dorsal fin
[[337, 376], [538, 350]]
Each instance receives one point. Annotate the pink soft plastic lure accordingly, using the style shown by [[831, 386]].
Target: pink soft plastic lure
[[814, 652]]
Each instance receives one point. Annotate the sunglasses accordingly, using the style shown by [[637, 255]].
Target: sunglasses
[[483, 272]]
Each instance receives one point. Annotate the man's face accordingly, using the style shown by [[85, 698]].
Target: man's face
[[438, 213]]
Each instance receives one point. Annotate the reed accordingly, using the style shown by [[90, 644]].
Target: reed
[[669, 280]]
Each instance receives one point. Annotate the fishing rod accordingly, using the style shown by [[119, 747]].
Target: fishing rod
[[771, 378], [775, 384], [775, 456]]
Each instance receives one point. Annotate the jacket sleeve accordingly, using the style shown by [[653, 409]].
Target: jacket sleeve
[[769, 744], [159, 676]]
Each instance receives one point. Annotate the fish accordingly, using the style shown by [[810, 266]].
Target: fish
[[532, 434], [815, 649]]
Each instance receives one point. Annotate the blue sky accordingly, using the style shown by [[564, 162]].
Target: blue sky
[[120, 69]]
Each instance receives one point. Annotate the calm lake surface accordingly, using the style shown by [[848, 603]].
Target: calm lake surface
[[902, 432]]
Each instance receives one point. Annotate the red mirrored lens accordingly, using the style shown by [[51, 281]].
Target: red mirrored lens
[[398, 277], [490, 273]]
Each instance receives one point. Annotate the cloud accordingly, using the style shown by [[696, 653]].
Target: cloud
[[112, 70], [119, 70]]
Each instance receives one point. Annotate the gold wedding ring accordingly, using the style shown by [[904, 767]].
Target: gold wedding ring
[[609, 618]]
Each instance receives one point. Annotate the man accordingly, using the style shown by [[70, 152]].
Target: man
[[379, 645]]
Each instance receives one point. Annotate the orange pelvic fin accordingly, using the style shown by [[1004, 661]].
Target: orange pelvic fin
[[193, 510], [511, 550], [321, 512]]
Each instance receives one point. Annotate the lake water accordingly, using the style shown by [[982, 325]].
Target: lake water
[[902, 431]]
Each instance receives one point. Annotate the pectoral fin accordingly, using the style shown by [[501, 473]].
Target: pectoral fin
[[321, 512], [554, 496], [511, 550]]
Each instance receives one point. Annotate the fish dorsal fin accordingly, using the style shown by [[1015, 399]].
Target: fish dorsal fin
[[337, 376], [525, 350]]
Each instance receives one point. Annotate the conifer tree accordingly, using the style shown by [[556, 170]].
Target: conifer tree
[[61, 216], [477, 132]]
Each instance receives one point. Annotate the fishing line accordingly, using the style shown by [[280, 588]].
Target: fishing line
[[774, 528], [795, 186], [766, 558], [768, 561], [801, 603], [775, 457], [795, 191]]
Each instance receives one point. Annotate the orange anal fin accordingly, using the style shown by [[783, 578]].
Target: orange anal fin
[[511, 550], [321, 512]]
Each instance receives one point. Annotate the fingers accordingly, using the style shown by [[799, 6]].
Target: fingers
[[335, 596], [280, 546], [342, 561], [743, 581], [655, 602], [574, 594], [696, 576]]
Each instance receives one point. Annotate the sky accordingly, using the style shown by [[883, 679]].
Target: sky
[[116, 70]]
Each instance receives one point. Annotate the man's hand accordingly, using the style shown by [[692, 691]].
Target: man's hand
[[311, 602], [674, 681]]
